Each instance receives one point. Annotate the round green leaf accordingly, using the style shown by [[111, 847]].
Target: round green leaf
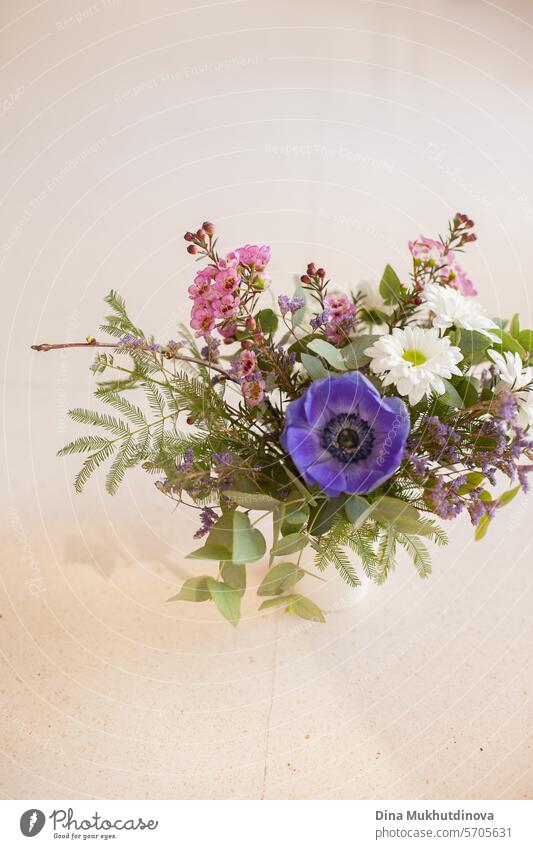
[[280, 578]]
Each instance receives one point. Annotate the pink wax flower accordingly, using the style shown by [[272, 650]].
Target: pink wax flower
[[231, 260], [340, 306], [454, 275], [253, 391], [226, 306], [227, 280], [256, 256], [244, 364], [432, 251], [202, 320], [228, 329], [341, 312]]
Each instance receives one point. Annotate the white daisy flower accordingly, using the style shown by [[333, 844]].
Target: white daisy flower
[[415, 361], [449, 307], [512, 375]]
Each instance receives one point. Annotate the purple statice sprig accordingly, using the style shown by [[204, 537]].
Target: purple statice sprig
[[137, 343], [208, 517], [290, 305]]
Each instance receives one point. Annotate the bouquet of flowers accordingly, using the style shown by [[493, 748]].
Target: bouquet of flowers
[[355, 426]]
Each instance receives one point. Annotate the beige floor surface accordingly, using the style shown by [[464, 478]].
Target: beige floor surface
[[418, 689]]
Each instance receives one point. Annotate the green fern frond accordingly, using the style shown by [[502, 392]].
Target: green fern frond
[[119, 322], [92, 417], [417, 552], [133, 413], [91, 464], [330, 551], [434, 532], [385, 556], [83, 444]]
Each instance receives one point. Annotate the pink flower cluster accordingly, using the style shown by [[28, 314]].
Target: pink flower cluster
[[433, 253], [340, 317], [255, 256], [244, 368], [216, 289]]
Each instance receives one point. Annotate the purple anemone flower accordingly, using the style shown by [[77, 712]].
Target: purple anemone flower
[[344, 436]]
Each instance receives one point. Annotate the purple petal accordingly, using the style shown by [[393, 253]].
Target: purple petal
[[304, 447], [328, 475]]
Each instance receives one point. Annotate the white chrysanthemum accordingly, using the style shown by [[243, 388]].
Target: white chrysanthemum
[[512, 375], [449, 307], [415, 361]]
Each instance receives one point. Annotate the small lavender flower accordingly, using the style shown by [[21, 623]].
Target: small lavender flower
[[135, 343], [290, 305], [173, 346], [504, 406], [444, 498], [419, 464], [211, 349], [186, 464], [208, 518], [223, 459], [522, 473], [320, 320]]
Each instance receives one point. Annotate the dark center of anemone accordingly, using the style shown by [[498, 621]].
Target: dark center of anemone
[[348, 437]]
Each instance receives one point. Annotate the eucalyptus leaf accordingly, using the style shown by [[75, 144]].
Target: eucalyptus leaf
[[314, 367], [328, 352], [295, 518], [194, 589], [306, 609], [267, 321], [248, 543], [468, 391], [354, 352], [322, 518], [394, 511], [252, 500], [227, 600], [278, 601], [210, 551], [298, 317], [357, 510], [277, 521], [280, 578], [451, 396], [234, 575], [289, 544]]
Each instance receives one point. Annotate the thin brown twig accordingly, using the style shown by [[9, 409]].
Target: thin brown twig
[[46, 346]]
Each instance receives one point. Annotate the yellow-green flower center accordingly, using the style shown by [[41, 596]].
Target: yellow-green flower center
[[416, 358]]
